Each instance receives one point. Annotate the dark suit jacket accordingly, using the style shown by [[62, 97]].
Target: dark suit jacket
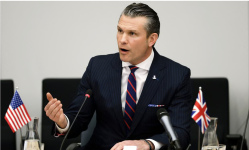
[[103, 75]]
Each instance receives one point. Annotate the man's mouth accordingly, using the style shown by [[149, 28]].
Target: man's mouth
[[124, 50]]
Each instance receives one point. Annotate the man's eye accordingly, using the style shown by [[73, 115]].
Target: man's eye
[[132, 33], [119, 30]]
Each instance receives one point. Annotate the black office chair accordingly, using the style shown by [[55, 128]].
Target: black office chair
[[64, 90], [8, 138], [216, 94]]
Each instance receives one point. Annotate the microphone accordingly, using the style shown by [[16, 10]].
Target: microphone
[[163, 117], [87, 95]]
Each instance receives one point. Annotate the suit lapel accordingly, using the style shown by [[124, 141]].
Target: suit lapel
[[149, 90], [115, 90]]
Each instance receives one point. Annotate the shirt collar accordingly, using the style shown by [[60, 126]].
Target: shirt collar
[[143, 65]]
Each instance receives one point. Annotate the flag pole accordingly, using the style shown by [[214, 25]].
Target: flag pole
[[21, 145], [199, 133], [199, 138]]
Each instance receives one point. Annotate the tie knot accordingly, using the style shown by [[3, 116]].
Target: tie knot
[[133, 68]]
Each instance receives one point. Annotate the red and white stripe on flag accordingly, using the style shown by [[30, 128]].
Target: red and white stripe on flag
[[17, 115]]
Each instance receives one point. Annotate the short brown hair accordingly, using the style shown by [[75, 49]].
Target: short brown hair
[[143, 10]]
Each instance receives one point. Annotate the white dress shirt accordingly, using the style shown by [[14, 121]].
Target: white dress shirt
[[141, 74]]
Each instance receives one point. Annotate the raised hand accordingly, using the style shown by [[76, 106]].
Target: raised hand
[[55, 112]]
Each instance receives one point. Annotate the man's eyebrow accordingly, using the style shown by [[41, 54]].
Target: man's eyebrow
[[128, 30]]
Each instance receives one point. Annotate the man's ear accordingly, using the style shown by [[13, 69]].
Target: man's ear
[[152, 39]]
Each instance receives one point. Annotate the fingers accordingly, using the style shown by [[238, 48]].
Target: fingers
[[120, 145], [113, 148], [55, 110], [51, 107], [49, 97], [140, 144], [59, 115], [49, 104], [117, 146]]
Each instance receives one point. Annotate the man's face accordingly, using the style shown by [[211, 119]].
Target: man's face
[[132, 39]]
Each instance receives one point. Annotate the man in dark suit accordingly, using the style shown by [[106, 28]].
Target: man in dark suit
[[128, 89]]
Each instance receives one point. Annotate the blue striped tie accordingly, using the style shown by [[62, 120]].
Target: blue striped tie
[[131, 96]]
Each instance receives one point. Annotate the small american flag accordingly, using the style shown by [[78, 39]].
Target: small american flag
[[17, 115], [200, 112]]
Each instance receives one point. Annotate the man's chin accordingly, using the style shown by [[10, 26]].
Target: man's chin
[[123, 58]]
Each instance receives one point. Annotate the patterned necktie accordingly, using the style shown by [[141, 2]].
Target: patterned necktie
[[131, 96]]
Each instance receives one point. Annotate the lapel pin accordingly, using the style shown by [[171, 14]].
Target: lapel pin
[[154, 78]]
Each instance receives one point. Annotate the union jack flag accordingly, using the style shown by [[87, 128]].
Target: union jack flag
[[17, 115], [200, 112]]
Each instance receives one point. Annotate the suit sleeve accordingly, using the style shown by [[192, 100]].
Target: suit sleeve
[[180, 113], [87, 111]]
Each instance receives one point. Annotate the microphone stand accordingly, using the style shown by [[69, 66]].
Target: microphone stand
[[173, 145], [88, 93]]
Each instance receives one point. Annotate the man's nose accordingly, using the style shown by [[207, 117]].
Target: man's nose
[[123, 39]]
